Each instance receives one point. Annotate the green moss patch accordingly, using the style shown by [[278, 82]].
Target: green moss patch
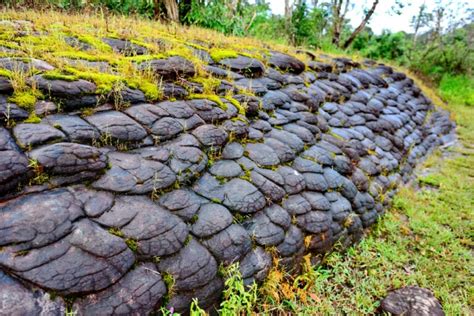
[[210, 97], [24, 99], [219, 54], [240, 107]]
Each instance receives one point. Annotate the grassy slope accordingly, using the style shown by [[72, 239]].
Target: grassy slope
[[425, 240]]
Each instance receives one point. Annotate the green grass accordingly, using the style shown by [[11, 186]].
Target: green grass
[[425, 240], [458, 89]]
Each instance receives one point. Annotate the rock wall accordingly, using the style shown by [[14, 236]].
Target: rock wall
[[134, 204]]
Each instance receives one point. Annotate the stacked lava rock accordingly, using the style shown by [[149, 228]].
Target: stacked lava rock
[[123, 210]]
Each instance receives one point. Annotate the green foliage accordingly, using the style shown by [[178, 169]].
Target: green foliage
[[222, 16], [238, 299], [195, 310], [301, 25], [451, 53], [458, 89], [388, 46], [40, 176]]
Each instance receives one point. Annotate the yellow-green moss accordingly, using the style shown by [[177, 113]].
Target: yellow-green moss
[[6, 73], [132, 244], [240, 107], [33, 118], [219, 54], [151, 90], [148, 46], [57, 75], [95, 42], [8, 44], [182, 51], [116, 231], [210, 97], [209, 85], [104, 82], [24, 99], [84, 56], [142, 58]]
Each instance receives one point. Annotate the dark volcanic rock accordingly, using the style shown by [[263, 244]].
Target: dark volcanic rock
[[10, 111], [171, 68], [75, 128], [128, 204], [24, 65], [13, 163], [286, 63], [412, 300], [156, 231], [28, 134], [69, 158], [139, 292], [62, 88], [133, 174], [125, 47], [191, 268], [97, 258], [117, 125], [5, 84], [243, 65], [18, 300], [242, 196]]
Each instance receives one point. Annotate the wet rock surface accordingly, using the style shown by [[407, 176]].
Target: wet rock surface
[[110, 204]]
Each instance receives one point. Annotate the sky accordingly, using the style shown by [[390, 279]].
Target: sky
[[382, 18]]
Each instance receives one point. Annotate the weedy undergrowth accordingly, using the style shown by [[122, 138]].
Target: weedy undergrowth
[[238, 298]]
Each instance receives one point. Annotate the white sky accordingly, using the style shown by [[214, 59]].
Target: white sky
[[382, 18]]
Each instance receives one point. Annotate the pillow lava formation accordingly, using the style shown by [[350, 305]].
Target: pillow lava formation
[[100, 209]]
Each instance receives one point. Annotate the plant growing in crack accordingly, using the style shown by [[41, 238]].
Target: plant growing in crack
[[40, 176]]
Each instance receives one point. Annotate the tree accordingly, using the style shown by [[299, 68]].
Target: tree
[[362, 25], [422, 19], [171, 8], [300, 23], [338, 18], [288, 16]]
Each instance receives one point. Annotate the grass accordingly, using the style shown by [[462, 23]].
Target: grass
[[459, 89]]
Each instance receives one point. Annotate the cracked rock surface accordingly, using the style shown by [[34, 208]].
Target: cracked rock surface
[[128, 204]]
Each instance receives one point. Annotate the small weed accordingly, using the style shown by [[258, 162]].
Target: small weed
[[116, 231], [40, 176], [169, 280], [238, 299], [132, 244], [195, 310]]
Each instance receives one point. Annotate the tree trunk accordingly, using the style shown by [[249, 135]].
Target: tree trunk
[[361, 25], [287, 9], [288, 19], [156, 9], [172, 10], [338, 19]]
